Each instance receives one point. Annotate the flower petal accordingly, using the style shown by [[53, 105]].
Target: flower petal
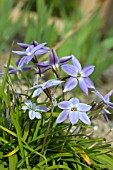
[[63, 116], [42, 70], [76, 63], [99, 95], [29, 50], [110, 104], [31, 114], [27, 102], [107, 96], [35, 43], [105, 111], [74, 101], [88, 70], [12, 71], [51, 83], [73, 116], [24, 107], [38, 115], [26, 68], [84, 118], [28, 59], [82, 85], [70, 84], [17, 61], [34, 87], [22, 61], [41, 51], [43, 64], [19, 52], [37, 92], [83, 107], [64, 105], [89, 83], [1, 74], [64, 60], [22, 45], [42, 108], [39, 46], [53, 58], [70, 70], [10, 67]]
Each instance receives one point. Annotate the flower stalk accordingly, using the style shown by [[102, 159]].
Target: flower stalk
[[47, 131], [70, 126]]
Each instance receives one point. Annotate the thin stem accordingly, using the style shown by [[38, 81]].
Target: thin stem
[[47, 92], [18, 130], [47, 132], [65, 138], [36, 61], [64, 144]]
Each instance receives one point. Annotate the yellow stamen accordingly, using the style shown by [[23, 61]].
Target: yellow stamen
[[78, 75], [73, 109]]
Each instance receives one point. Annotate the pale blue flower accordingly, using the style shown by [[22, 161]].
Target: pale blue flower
[[74, 110], [78, 76], [14, 70], [53, 63], [33, 109], [39, 88], [30, 51], [105, 99]]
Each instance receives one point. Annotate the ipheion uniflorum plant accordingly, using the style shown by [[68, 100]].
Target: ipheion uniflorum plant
[[56, 108]]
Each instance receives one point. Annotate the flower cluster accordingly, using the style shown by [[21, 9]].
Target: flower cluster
[[72, 109]]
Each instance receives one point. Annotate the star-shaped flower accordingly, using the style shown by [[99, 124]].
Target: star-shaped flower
[[105, 112], [30, 51], [39, 88], [53, 63], [78, 76], [33, 109], [74, 110], [14, 70], [105, 99]]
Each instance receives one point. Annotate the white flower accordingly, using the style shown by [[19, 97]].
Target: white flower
[[33, 109]]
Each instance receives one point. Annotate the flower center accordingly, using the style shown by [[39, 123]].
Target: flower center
[[29, 53], [78, 75], [74, 109]]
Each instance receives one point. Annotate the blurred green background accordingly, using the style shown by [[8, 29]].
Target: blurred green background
[[51, 21]]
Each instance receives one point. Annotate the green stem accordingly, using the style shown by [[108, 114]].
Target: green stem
[[16, 123], [36, 131], [65, 138], [64, 144], [47, 132]]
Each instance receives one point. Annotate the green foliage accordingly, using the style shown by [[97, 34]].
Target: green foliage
[[21, 141], [41, 30], [63, 8], [8, 29], [78, 151], [86, 44]]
